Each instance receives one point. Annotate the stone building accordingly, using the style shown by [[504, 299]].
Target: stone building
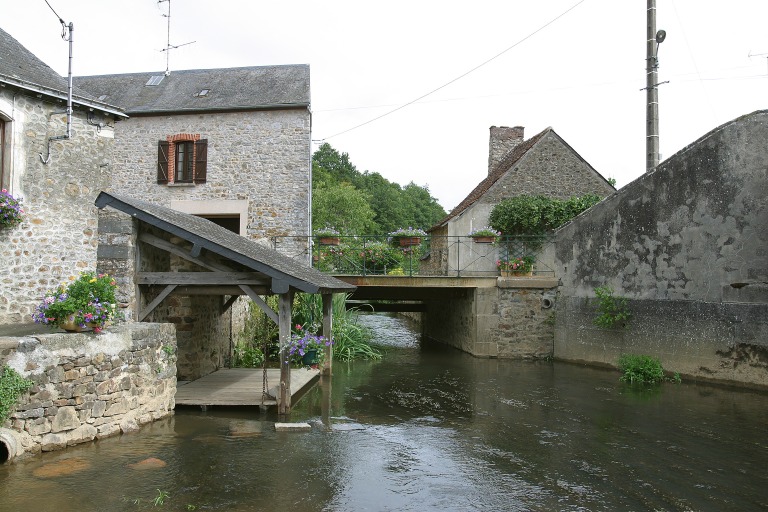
[[57, 164], [230, 145], [543, 165]]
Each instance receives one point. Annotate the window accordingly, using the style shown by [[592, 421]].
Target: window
[[184, 155], [182, 159]]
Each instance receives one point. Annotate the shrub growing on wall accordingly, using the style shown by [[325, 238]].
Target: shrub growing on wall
[[537, 215]]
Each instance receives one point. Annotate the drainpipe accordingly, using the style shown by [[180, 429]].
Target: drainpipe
[[68, 135], [10, 445]]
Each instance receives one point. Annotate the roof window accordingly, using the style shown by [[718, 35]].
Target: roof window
[[155, 80]]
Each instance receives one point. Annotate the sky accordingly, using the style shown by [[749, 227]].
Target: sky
[[410, 88]]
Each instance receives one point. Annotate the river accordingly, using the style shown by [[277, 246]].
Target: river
[[429, 429]]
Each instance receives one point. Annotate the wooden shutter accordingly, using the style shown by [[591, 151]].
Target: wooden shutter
[[201, 161], [162, 161]]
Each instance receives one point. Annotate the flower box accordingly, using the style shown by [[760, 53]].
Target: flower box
[[484, 239], [410, 241], [329, 240]]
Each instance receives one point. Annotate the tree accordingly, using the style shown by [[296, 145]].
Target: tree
[[344, 207]]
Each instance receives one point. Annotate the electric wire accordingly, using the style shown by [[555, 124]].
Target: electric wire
[[542, 27]]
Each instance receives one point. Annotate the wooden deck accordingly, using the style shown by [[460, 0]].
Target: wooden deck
[[240, 386]]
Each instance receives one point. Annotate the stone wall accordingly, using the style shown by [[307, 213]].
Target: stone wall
[[512, 320], [58, 237], [260, 157], [90, 386], [687, 245]]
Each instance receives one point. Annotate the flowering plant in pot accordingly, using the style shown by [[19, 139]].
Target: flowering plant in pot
[[328, 236], [407, 236], [522, 265], [88, 301], [307, 349], [10, 210], [484, 234]]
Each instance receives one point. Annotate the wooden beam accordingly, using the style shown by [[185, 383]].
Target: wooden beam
[[262, 305], [284, 394], [328, 332], [228, 303], [181, 252], [217, 290], [201, 278], [152, 305]]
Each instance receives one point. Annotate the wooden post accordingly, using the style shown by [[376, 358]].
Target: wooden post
[[284, 327], [328, 331]]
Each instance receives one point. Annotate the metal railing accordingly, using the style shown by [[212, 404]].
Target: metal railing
[[454, 256]]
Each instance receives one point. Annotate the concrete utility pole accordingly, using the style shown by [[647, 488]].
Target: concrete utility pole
[[652, 91]]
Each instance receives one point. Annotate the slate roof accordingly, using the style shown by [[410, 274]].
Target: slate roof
[[224, 242], [506, 163], [21, 68], [247, 88]]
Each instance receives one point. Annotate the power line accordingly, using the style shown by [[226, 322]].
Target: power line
[[547, 24]]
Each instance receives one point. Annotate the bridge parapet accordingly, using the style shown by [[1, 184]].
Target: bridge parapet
[[447, 256]]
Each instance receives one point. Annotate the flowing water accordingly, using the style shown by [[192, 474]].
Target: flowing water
[[428, 429]]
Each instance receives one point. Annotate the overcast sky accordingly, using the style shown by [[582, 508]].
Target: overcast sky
[[575, 65]]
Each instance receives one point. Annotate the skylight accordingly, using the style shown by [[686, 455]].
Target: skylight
[[155, 79]]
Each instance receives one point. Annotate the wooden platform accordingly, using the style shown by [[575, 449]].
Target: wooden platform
[[240, 386]]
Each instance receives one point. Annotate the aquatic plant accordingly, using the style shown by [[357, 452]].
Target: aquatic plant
[[640, 369]]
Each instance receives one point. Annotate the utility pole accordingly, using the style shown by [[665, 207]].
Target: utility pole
[[652, 93]]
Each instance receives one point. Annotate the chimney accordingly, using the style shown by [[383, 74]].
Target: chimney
[[503, 140]]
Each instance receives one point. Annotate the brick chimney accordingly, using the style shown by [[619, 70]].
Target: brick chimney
[[503, 140]]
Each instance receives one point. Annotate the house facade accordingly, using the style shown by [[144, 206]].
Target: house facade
[[542, 165], [57, 164]]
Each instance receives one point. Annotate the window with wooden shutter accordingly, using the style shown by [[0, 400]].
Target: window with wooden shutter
[[162, 161], [201, 160]]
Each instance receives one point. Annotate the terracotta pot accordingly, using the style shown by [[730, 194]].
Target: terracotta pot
[[484, 239], [69, 325], [409, 241], [329, 240]]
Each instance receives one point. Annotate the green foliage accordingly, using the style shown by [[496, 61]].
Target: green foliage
[[536, 215], [12, 386], [343, 206], [350, 340], [160, 498], [260, 332], [610, 310], [390, 206], [638, 369], [362, 255], [89, 299]]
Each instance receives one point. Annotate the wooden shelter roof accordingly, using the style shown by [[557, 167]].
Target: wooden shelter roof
[[280, 272]]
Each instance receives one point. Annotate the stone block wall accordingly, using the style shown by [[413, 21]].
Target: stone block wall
[[262, 157], [513, 320], [89, 386], [58, 237]]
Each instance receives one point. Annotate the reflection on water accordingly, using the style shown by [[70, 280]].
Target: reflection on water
[[429, 428]]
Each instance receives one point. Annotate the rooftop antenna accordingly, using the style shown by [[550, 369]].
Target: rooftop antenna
[[168, 45]]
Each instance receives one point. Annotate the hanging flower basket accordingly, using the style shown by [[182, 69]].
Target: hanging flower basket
[[329, 240], [410, 241], [10, 210], [484, 235]]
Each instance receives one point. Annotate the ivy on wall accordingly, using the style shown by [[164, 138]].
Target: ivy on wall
[[537, 215]]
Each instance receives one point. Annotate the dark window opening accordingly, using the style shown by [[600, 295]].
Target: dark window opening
[[230, 223], [184, 159]]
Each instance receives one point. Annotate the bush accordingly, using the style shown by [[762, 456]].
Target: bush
[[537, 215], [637, 369], [610, 310], [12, 386]]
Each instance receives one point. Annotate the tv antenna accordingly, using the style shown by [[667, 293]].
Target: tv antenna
[[168, 45]]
